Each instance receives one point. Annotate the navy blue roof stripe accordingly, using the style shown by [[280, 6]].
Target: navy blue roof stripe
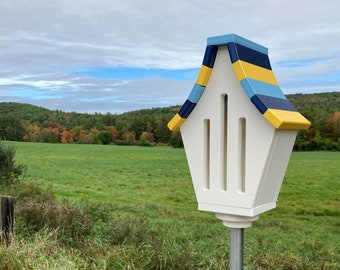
[[263, 103], [239, 52], [210, 56], [186, 109]]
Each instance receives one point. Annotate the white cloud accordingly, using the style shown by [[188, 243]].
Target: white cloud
[[45, 43]]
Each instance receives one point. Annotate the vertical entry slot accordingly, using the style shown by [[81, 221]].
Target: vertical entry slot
[[206, 158], [224, 137], [242, 155]]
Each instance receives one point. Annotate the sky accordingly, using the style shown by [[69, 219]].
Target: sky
[[111, 56]]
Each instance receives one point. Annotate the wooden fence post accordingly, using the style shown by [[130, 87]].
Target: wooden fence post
[[7, 218]]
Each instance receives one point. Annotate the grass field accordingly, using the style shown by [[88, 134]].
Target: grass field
[[123, 175], [154, 184]]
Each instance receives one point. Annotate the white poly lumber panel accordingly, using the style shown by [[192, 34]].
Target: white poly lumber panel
[[261, 140]]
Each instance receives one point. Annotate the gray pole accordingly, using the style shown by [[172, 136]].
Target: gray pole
[[236, 248]]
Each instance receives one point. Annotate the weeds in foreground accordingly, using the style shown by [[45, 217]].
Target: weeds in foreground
[[310, 255], [54, 235]]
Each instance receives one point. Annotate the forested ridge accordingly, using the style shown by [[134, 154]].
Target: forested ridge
[[25, 122]]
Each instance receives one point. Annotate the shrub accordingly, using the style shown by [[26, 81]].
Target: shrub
[[9, 170], [37, 209]]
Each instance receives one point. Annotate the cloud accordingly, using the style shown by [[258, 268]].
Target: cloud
[[87, 94], [104, 56]]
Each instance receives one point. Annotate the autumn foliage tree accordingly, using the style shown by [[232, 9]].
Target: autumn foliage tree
[[332, 128], [31, 133], [129, 137], [114, 132], [67, 136], [146, 138]]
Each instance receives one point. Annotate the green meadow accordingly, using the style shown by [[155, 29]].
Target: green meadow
[[149, 189]]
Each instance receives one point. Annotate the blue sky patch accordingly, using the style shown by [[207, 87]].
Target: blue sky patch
[[139, 73], [299, 62]]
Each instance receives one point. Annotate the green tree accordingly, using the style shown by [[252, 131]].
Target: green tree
[[176, 139], [104, 137], [9, 170], [46, 135], [162, 132], [11, 128]]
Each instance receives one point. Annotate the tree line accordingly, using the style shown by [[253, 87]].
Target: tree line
[[25, 122], [323, 110]]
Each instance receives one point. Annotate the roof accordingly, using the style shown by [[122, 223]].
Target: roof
[[252, 68]]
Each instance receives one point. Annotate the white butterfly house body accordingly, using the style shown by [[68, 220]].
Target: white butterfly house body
[[238, 131]]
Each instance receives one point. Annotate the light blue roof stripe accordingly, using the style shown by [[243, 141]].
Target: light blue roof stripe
[[254, 87], [225, 39], [196, 93]]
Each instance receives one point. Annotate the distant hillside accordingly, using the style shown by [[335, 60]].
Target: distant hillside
[[36, 114], [317, 107], [326, 102], [320, 104], [20, 121], [24, 111]]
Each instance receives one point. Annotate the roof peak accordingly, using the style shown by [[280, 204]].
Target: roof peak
[[225, 39]]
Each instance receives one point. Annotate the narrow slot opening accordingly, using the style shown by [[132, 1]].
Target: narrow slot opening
[[224, 136], [242, 155], [206, 160]]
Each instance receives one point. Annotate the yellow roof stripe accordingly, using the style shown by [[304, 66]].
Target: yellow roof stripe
[[246, 70], [204, 75], [175, 122], [281, 119]]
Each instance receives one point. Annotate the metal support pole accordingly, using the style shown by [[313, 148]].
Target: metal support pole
[[236, 248]]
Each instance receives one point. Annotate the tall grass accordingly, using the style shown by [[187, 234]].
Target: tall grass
[[111, 207]]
